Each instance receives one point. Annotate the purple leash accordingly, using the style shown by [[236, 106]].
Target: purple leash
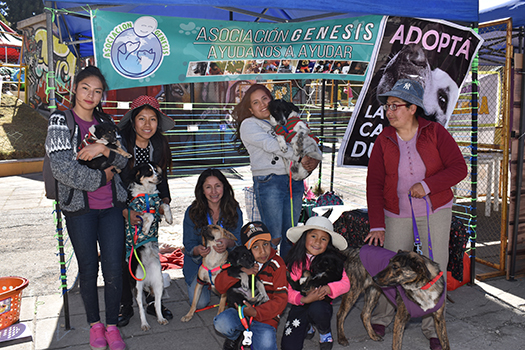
[[417, 240]]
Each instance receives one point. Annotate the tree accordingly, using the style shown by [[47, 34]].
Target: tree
[[17, 10]]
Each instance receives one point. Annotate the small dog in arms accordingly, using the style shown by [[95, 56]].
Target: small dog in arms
[[241, 257], [144, 240], [211, 266], [284, 117], [106, 134]]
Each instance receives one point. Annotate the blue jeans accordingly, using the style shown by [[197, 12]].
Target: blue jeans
[[204, 300], [273, 200], [228, 324], [105, 226]]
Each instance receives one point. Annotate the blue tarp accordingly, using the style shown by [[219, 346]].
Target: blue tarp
[[453, 10], [465, 11], [514, 9]]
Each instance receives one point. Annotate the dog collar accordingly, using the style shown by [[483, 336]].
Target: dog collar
[[433, 281], [213, 271]]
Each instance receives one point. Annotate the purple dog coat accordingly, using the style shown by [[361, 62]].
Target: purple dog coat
[[375, 259]]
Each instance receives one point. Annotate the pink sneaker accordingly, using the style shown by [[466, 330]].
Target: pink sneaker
[[114, 339], [97, 340]]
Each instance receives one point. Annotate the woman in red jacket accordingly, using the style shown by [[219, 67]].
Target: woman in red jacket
[[413, 165]]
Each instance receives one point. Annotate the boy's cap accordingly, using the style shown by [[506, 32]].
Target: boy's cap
[[254, 231]]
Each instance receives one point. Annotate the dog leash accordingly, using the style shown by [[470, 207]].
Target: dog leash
[[134, 251], [247, 334], [417, 240], [291, 195]]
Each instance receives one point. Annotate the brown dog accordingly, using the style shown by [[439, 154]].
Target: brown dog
[[211, 264], [417, 281]]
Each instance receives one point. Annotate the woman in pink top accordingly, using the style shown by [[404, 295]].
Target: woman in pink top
[[418, 157], [314, 239]]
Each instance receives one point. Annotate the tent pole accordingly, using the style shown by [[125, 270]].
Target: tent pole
[[52, 106], [519, 174], [323, 86], [335, 86], [474, 168]]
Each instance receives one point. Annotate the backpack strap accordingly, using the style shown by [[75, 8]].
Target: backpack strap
[[70, 121]]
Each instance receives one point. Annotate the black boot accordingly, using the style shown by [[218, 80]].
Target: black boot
[[232, 344], [150, 309], [126, 312]]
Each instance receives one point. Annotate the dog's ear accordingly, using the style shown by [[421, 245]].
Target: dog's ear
[[417, 263], [137, 175], [227, 234], [292, 107]]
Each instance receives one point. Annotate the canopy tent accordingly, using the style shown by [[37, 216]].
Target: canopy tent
[[514, 9], [273, 11], [10, 44]]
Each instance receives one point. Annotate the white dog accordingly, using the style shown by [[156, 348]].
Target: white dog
[[147, 202]]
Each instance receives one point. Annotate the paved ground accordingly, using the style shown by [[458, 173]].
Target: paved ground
[[488, 315]]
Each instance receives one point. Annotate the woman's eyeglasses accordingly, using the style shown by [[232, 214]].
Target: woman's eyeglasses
[[393, 107]]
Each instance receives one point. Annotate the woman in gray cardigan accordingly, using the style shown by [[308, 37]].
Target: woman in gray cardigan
[[92, 201]]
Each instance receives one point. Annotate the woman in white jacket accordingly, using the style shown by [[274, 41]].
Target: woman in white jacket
[[270, 166]]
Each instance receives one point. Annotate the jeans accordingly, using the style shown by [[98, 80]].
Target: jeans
[[204, 299], [105, 226], [273, 200], [228, 324]]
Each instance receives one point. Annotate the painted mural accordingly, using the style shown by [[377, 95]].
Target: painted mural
[[36, 58]]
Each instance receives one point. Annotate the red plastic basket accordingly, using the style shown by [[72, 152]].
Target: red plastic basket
[[10, 299]]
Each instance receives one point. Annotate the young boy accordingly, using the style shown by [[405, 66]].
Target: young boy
[[270, 269]]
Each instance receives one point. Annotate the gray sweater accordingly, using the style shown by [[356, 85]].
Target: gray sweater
[[259, 139], [74, 179]]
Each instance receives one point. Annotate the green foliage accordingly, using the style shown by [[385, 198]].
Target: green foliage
[[17, 10]]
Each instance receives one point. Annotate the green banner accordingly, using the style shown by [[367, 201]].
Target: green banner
[[136, 50]]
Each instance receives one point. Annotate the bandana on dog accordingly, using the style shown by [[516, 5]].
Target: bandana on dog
[[287, 130], [140, 205]]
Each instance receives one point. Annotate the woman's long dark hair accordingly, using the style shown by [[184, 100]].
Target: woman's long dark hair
[[297, 254], [91, 71], [242, 111], [199, 208], [130, 135]]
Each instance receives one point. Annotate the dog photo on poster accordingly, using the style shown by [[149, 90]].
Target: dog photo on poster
[[436, 53]]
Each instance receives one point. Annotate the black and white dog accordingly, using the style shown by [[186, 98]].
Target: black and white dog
[[241, 257], [147, 202], [106, 134], [290, 129]]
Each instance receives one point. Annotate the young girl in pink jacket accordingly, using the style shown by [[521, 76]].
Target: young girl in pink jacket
[[314, 309]]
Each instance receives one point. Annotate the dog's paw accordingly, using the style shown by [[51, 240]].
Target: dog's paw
[[162, 321], [341, 339], [245, 282], [186, 318], [167, 213], [145, 327]]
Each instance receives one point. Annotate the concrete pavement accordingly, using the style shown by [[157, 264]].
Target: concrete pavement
[[488, 315]]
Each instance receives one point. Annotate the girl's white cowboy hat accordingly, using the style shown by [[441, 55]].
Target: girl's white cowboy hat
[[317, 223]]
